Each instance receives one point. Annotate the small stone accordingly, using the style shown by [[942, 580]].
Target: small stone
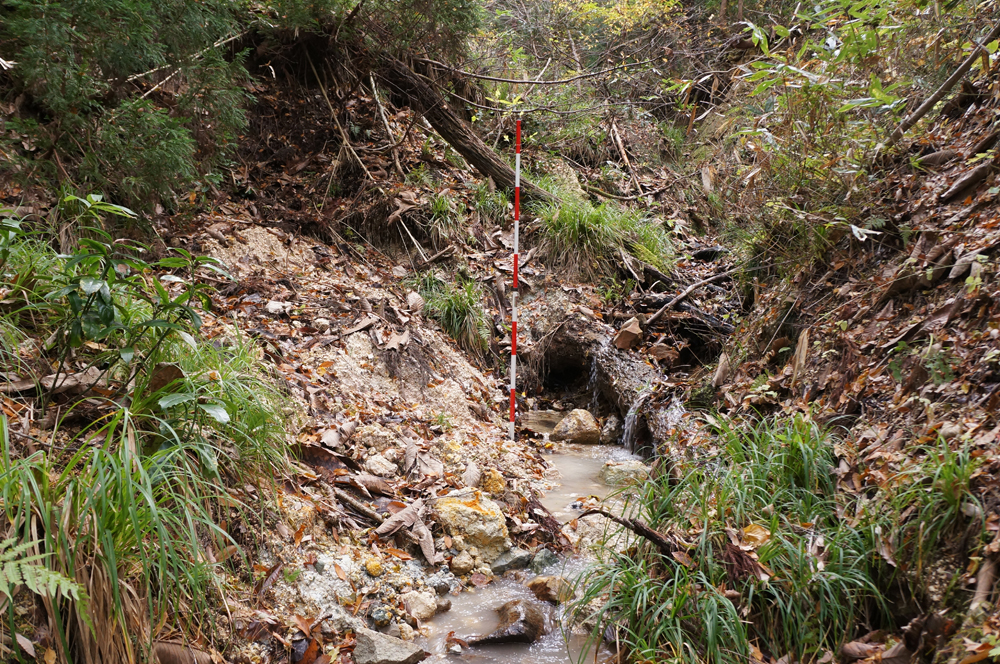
[[377, 464], [422, 605], [375, 648], [628, 335], [577, 427], [322, 324], [414, 302], [950, 430], [612, 431], [374, 567], [276, 308], [521, 621], [553, 589], [513, 559], [381, 616], [621, 473], [399, 272], [443, 605], [463, 563], [440, 585], [406, 632], [493, 482], [543, 560]]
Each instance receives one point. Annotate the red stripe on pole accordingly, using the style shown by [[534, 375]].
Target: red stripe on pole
[[515, 272], [513, 339], [517, 141], [517, 203], [512, 404]]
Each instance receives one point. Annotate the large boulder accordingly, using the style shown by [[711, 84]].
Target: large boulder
[[476, 519], [375, 648], [622, 473], [521, 621], [578, 427]]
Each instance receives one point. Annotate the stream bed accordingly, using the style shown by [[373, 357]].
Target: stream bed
[[473, 612]]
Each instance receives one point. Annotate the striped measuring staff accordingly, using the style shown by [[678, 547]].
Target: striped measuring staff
[[513, 298]]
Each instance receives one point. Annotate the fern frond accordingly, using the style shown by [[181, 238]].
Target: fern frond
[[16, 568]]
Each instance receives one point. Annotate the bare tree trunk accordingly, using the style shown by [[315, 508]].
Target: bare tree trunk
[[722, 13], [454, 130]]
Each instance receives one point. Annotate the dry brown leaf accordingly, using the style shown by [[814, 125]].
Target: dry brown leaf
[[340, 572]]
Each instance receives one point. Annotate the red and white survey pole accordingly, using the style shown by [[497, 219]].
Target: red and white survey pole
[[513, 297]]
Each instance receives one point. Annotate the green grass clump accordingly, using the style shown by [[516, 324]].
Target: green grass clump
[[493, 206], [803, 587], [589, 240], [459, 310]]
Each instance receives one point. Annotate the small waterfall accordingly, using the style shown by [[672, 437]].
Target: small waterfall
[[592, 388], [632, 420]]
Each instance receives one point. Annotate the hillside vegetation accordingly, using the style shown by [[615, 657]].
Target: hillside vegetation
[[250, 253]]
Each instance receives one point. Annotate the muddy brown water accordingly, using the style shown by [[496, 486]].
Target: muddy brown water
[[474, 612]]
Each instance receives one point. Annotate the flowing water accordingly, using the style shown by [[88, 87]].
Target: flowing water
[[632, 420], [474, 612]]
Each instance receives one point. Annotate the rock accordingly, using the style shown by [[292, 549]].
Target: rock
[[399, 272], [577, 427], [443, 605], [276, 308], [521, 621], [620, 473], [405, 632], [381, 615], [322, 324], [374, 567], [493, 482], [377, 464], [543, 560], [553, 589], [414, 302], [612, 430], [377, 436], [709, 253], [475, 518], [375, 648], [422, 605], [463, 563], [513, 559], [541, 421], [441, 582], [629, 335]]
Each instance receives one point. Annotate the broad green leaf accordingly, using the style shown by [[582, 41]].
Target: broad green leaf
[[176, 399], [188, 339], [216, 411], [89, 285]]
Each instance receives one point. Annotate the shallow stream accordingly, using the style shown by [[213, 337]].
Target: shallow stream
[[474, 612]]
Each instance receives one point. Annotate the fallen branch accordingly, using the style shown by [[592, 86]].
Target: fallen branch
[[687, 291], [929, 103], [665, 546], [601, 192]]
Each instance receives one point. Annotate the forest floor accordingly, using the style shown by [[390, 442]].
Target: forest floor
[[889, 337]]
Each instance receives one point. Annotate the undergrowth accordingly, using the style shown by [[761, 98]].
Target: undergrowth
[[458, 307], [769, 559], [129, 498], [590, 241]]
